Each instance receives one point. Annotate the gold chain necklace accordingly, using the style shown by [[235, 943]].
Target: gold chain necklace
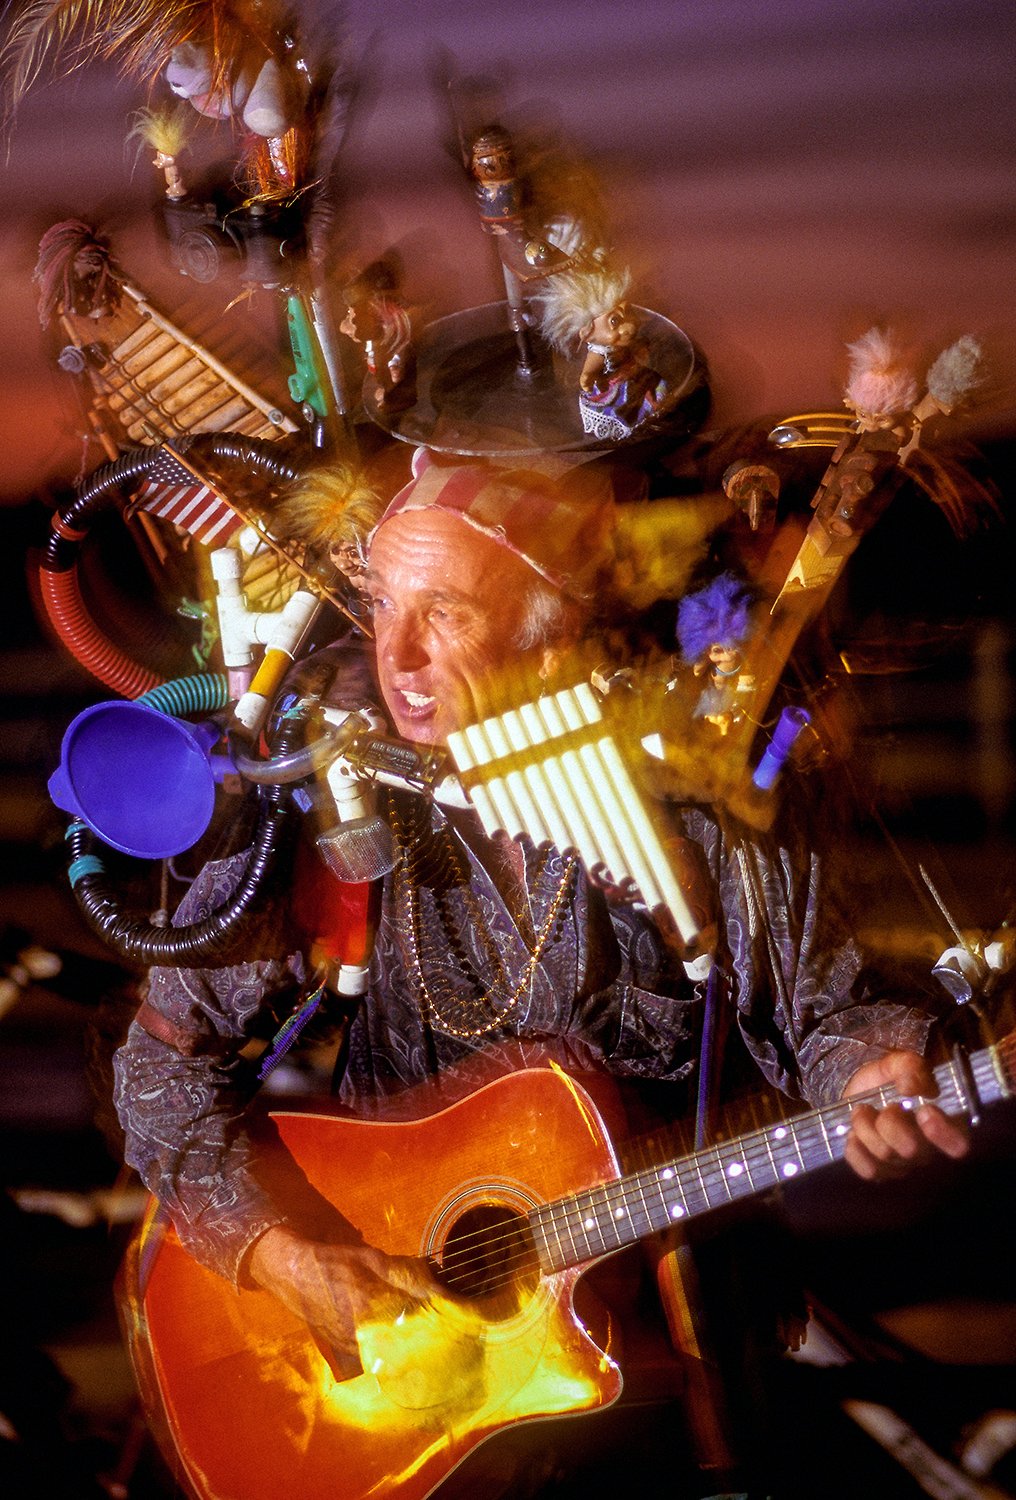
[[409, 843]]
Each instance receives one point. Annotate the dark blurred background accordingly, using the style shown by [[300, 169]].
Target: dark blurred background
[[780, 178]]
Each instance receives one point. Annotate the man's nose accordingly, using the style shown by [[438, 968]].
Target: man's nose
[[403, 646]]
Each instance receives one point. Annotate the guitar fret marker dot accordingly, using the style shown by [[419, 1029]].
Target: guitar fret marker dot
[[589, 1224], [841, 1130], [790, 1169], [780, 1132], [676, 1211], [667, 1173], [619, 1213], [735, 1169]]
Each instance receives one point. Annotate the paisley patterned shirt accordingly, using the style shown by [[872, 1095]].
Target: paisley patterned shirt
[[605, 992]]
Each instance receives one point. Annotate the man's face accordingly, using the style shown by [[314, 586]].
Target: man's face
[[449, 605]]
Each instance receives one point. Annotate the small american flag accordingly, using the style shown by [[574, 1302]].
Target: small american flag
[[171, 492]]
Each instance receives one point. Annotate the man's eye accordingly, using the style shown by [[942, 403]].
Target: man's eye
[[450, 615]]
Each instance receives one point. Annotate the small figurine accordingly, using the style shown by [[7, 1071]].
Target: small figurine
[[618, 390], [330, 513], [526, 254], [882, 392], [713, 625], [868, 464], [376, 319], [880, 387], [165, 131], [498, 190], [76, 273]]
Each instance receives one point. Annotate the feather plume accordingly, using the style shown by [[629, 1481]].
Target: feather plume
[[69, 33], [878, 382], [164, 130], [955, 372]]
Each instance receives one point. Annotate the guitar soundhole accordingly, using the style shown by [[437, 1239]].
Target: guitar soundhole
[[489, 1256]]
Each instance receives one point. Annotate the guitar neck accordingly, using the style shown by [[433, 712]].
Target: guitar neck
[[574, 1230]]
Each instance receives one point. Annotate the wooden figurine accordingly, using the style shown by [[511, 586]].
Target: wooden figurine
[[377, 320], [495, 175], [526, 253]]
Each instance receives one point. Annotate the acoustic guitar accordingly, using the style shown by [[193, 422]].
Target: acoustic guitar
[[511, 1194]]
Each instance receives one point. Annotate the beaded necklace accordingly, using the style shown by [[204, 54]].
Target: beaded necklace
[[417, 847]]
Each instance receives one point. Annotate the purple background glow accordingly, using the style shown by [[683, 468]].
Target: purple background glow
[[779, 176]]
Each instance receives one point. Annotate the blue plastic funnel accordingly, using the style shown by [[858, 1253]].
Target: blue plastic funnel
[[140, 779]]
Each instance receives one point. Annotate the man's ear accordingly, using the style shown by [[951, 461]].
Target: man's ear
[[555, 653], [551, 660]]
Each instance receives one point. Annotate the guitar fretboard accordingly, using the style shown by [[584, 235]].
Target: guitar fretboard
[[571, 1231]]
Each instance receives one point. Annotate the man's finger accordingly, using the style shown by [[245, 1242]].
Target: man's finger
[[882, 1142], [947, 1135], [883, 1133], [860, 1159]]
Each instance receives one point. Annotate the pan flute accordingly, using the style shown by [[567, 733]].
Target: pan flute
[[552, 769]]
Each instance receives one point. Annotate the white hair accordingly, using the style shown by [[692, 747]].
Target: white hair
[[956, 371], [548, 616], [572, 299]]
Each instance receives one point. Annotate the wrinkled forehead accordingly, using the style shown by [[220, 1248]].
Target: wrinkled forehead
[[429, 547]]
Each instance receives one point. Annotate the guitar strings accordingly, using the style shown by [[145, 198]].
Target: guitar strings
[[567, 1217], [701, 1174]]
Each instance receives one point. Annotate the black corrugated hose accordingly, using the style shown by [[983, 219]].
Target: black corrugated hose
[[217, 938]]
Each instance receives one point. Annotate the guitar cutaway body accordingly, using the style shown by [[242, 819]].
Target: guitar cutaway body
[[247, 1404]]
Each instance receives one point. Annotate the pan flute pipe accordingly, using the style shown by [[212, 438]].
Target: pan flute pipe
[[552, 770]]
